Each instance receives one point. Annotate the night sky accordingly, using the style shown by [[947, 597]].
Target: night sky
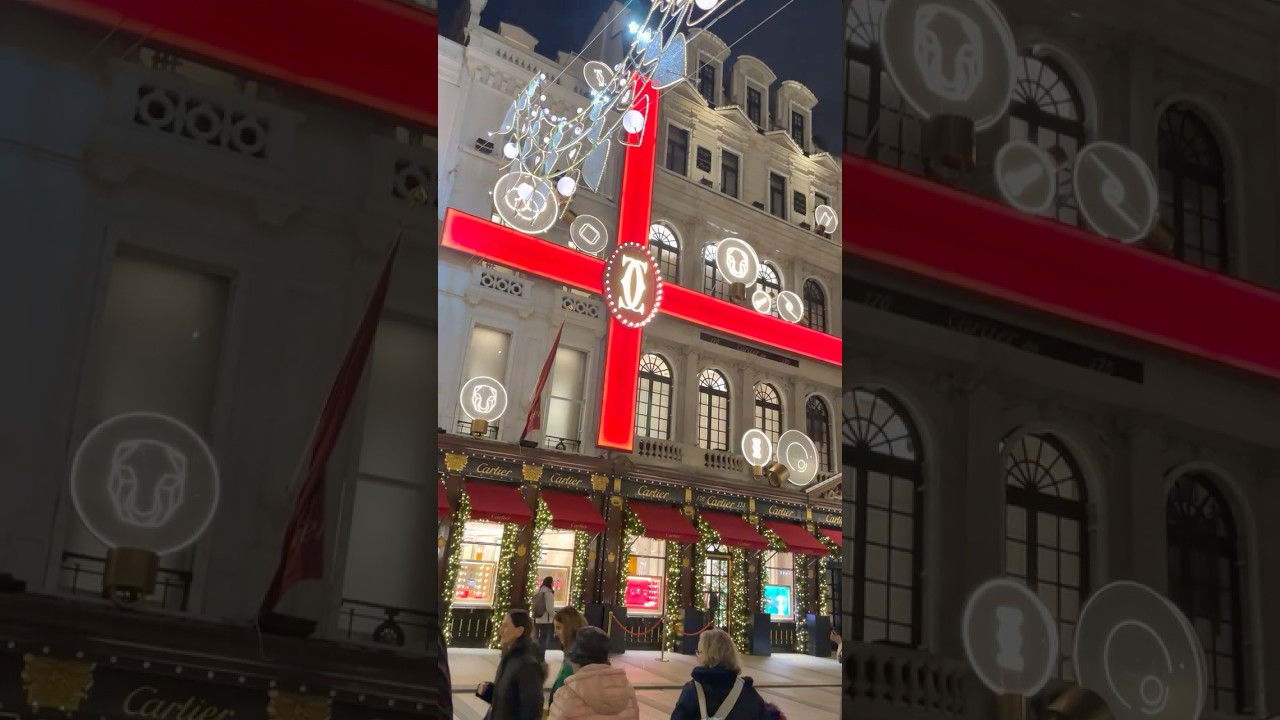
[[803, 42]]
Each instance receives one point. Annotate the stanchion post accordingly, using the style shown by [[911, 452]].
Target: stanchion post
[[1011, 707]]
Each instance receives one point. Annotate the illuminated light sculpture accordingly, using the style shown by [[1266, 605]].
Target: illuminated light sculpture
[[509, 247], [738, 262], [1011, 641], [1115, 191], [762, 301], [1027, 177], [790, 306], [588, 234], [757, 448], [483, 400], [145, 485], [824, 216], [632, 285], [798, 454]]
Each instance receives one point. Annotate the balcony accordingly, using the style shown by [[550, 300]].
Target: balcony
[[688, 456], [383, 625], [884, 682], [81, 575]]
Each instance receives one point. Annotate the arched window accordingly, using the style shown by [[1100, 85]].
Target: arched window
[[878, 123], [1204, 582], [1193, 188], [769, 411], [815, 305], [1047, 111], [712, 283], [653, 404], [666, 250], [713, 410], [883, 466], [770, 281], [817, 423], [1046, 531]]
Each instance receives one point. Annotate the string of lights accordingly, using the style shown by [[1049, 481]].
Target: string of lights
[[506, 574], [581, 554], [461, 516], [541, 522], [672, 607]]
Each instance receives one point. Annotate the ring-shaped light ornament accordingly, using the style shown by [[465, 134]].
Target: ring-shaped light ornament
[[1027, 177], [1010, 637], [632, 285], [757, 448], [799, 455], [1139, 653], [950, 57], [824, 216], [737, 261], [762, 301], [790, 306], [147, 481], [589, 234], [526, 202], [1115, 191], [483, 398]]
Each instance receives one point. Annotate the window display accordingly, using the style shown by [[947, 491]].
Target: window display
[[779, 587], [556, 560], [646, 577], [478, 567]]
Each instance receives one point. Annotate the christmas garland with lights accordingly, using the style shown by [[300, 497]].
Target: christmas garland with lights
[[739, 613], [824, 575], [541, 521], [671, 613], [707, 536], [632, 528], [578, 584], [502, 585], [776, 546], [461, 516]]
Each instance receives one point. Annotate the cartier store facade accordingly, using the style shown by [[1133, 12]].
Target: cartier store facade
[[645, 553]]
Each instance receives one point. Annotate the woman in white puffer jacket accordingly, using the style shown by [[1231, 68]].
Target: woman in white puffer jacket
[[596, 690]]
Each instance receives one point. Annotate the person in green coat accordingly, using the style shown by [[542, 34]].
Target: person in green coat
[[568, 621]]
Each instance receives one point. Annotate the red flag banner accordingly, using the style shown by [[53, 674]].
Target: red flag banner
[[302, 554], [534, 422]]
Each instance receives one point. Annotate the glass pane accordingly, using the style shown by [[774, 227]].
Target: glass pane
[[487, 355], [1047, 529], [1046, 564], [877, 563], [877, 526], [1070, 537], [400, 410], [387, 535], [1016, 558], [1015, 523]]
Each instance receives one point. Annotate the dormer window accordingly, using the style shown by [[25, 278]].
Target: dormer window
[[753, 105], [707, 82], [797, 128]]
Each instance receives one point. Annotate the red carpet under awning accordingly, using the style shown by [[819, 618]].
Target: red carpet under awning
[[443, 503], [498, 503], [735, 532], [572, 512], [797, 539], [663, 522], [833, 535]]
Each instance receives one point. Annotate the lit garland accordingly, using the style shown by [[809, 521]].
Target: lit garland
[[672, 614], [739, 613], [461, 516], [824, 575], [578, 585], [541, 521], [632, 528], [707, 536], [776, 546], [502, 585]]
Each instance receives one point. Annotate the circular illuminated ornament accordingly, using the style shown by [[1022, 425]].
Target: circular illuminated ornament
[[632, 285], [790, 306], [483, 398], [526, 202], [589, 234], [950, 57], [146, 481], [798, 454], [737, 261], [1115, 191], [824, 216], [762, 301], [1027, 177], [1010, 637], [1138, 652], [757, 448]]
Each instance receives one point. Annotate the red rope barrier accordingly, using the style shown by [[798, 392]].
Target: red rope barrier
[[696, 633], [635, 633]]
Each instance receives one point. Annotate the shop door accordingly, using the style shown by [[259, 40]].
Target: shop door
[[715, 574]]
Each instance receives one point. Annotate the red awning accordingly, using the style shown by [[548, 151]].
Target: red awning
[[735, 532], [797, 539], [573, 512], [443, 503], [663, 522], [498, 503], [833, 535]]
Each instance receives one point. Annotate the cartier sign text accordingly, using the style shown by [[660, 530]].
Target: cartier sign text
[[146, 701]]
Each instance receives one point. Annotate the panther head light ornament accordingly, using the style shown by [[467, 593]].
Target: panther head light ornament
[[963, 59], [148, 482]]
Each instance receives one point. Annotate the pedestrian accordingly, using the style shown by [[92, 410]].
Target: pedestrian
[[544, 604], [718, 689], [516, 690], [444, 685], [568, 621], [596, 690]]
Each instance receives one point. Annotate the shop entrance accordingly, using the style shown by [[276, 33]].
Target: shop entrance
[[715, 574]]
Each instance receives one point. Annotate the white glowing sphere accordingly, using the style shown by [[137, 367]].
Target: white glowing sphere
[[566, 186], [633, 121], [144, 480], [706, 4], [524, 190], [510, 150]]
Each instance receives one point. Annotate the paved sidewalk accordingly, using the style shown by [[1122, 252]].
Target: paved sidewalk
[[802, 686]]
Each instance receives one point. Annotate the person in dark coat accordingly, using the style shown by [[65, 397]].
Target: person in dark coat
[[516, 690], [444, 684], [717, 673]]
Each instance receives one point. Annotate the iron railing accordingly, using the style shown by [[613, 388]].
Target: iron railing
[[562, 444], [384, 624], [82, 574], [464, 428]]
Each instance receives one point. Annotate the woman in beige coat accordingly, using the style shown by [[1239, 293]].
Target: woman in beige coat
[[596, 690]]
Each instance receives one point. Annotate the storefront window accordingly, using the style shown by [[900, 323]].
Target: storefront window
[[715, 573], [646, 576], [478, 568], [556, 561], [779, 587]]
